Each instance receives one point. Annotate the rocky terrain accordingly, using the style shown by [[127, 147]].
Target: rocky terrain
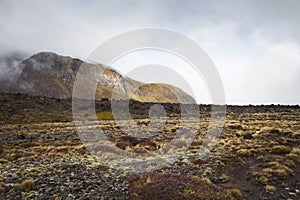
[[47, 154], [257, 155]]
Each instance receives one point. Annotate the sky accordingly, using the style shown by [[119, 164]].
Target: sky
[[255, 45]]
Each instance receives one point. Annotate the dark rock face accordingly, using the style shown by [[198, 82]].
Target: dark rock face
[[46, 74], [52, 75]]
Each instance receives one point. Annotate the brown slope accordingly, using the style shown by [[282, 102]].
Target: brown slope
[[52, 75]]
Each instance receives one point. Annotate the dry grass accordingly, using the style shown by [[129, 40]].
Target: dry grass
[[25, 186], [234, 193], [280, 149], [105, 116], [267, 142], [276, 170], [270, 188], [264, 180]]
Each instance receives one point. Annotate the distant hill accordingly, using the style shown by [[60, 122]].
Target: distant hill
[[52, 75]]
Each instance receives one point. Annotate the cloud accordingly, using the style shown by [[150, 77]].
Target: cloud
[[254, 45], [163, 67], [9, 66], [274, 74]]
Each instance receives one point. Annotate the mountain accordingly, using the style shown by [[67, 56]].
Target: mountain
[[52, 75]]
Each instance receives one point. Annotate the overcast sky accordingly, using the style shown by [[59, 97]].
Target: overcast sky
[[255, 45]]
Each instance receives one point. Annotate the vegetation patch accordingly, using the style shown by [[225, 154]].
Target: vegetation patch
[[169, 186], [105, 116], [25, 186]]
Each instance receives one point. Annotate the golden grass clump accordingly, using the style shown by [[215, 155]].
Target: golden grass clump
[[289, 163], [296, 135], [25, 186], [244, 152], [280, 149], [294, 155], [3, 160], [105, 116], [224, 176], [207, 171], [33, 170], [264, 180], [276, 170], [296, 151], [188, 191], [234, 193], [206, 180], [270, 188]]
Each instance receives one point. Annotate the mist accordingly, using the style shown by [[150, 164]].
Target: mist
[[255, 45]]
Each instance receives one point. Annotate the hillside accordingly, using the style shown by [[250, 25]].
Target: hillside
[[52, 75]]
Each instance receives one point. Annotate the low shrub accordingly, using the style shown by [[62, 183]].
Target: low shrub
[[174, 187]]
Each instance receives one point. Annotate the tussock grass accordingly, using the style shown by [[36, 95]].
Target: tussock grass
[[105, 116], [270, 188], [280, 149], [25, 186], [234, 193]]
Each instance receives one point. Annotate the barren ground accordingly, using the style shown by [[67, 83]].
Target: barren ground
[[257, 156]]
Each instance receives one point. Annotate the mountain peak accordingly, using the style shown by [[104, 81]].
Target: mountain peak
[[48, 55], [53, 75]]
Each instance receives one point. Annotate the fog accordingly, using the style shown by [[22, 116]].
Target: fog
[[253, 44]]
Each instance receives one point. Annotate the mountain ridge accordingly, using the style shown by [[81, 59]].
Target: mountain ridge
[[52, 75]]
